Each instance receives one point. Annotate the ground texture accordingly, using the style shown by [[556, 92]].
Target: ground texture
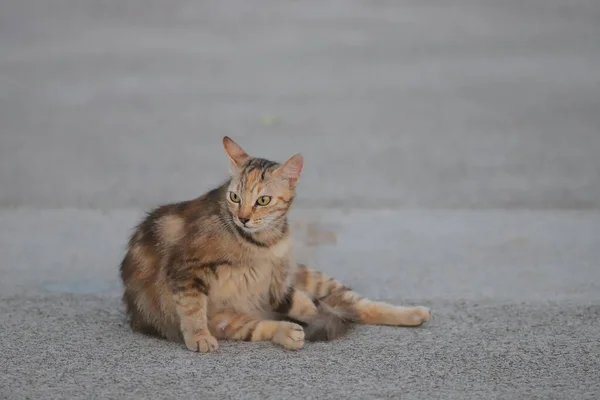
[[452, 160]]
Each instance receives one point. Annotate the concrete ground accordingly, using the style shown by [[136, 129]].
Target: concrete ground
[[452, 160]]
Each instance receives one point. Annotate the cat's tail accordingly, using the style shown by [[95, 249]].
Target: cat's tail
[[335, 318]]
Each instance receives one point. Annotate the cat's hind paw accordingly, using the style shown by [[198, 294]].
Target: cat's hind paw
[[418, 315]]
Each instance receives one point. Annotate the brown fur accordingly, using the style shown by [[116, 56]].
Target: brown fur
[[219, 267]]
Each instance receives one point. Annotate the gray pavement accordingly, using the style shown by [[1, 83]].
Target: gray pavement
[[451, 160]]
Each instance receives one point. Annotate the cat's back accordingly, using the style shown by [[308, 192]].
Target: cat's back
[[170, 224], [155, 238]]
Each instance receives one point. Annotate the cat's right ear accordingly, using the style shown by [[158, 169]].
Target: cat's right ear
[[236, 154]]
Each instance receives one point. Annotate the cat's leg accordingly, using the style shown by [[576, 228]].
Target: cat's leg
[[234, 326], [191, 308], [324, 288], [286, 300], [297, 305], [190, 292]]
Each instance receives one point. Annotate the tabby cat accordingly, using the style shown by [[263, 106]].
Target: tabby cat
[[219, 267]]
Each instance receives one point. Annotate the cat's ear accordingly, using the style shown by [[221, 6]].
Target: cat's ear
[[236, 154], [291, 169]]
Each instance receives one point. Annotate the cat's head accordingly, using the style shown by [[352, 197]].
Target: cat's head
[[261, 191]]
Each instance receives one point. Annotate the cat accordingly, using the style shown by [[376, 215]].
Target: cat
[[219, 267]]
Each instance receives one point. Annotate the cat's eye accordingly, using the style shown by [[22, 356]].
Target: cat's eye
[[234, 197], [263, 200]]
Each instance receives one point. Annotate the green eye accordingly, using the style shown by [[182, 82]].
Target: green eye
[[234, 197], [263, 200]]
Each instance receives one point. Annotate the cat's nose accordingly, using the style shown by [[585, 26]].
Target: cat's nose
[[243, 220]]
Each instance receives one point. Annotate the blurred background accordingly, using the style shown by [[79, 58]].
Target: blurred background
[[437, 104], [452, 159]]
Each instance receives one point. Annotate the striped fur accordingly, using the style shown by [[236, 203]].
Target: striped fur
[[219, 267]]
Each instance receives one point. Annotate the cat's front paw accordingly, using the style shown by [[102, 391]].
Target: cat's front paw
[[204, 343], [289, 335]]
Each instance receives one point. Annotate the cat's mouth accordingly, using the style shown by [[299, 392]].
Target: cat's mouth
[[247, 227]]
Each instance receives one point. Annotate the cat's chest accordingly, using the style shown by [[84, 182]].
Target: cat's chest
[[244, 285], [273, 255], [243, 288], [263, 258]]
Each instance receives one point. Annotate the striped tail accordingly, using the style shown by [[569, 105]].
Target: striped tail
[[331, 322], [336, 311]]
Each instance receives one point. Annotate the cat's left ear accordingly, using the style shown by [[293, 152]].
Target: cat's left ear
[[291, 170], [236, 154]]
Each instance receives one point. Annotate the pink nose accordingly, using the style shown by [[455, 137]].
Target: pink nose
[[244, 220]]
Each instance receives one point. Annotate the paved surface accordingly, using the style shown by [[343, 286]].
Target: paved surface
[[451, 160]]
